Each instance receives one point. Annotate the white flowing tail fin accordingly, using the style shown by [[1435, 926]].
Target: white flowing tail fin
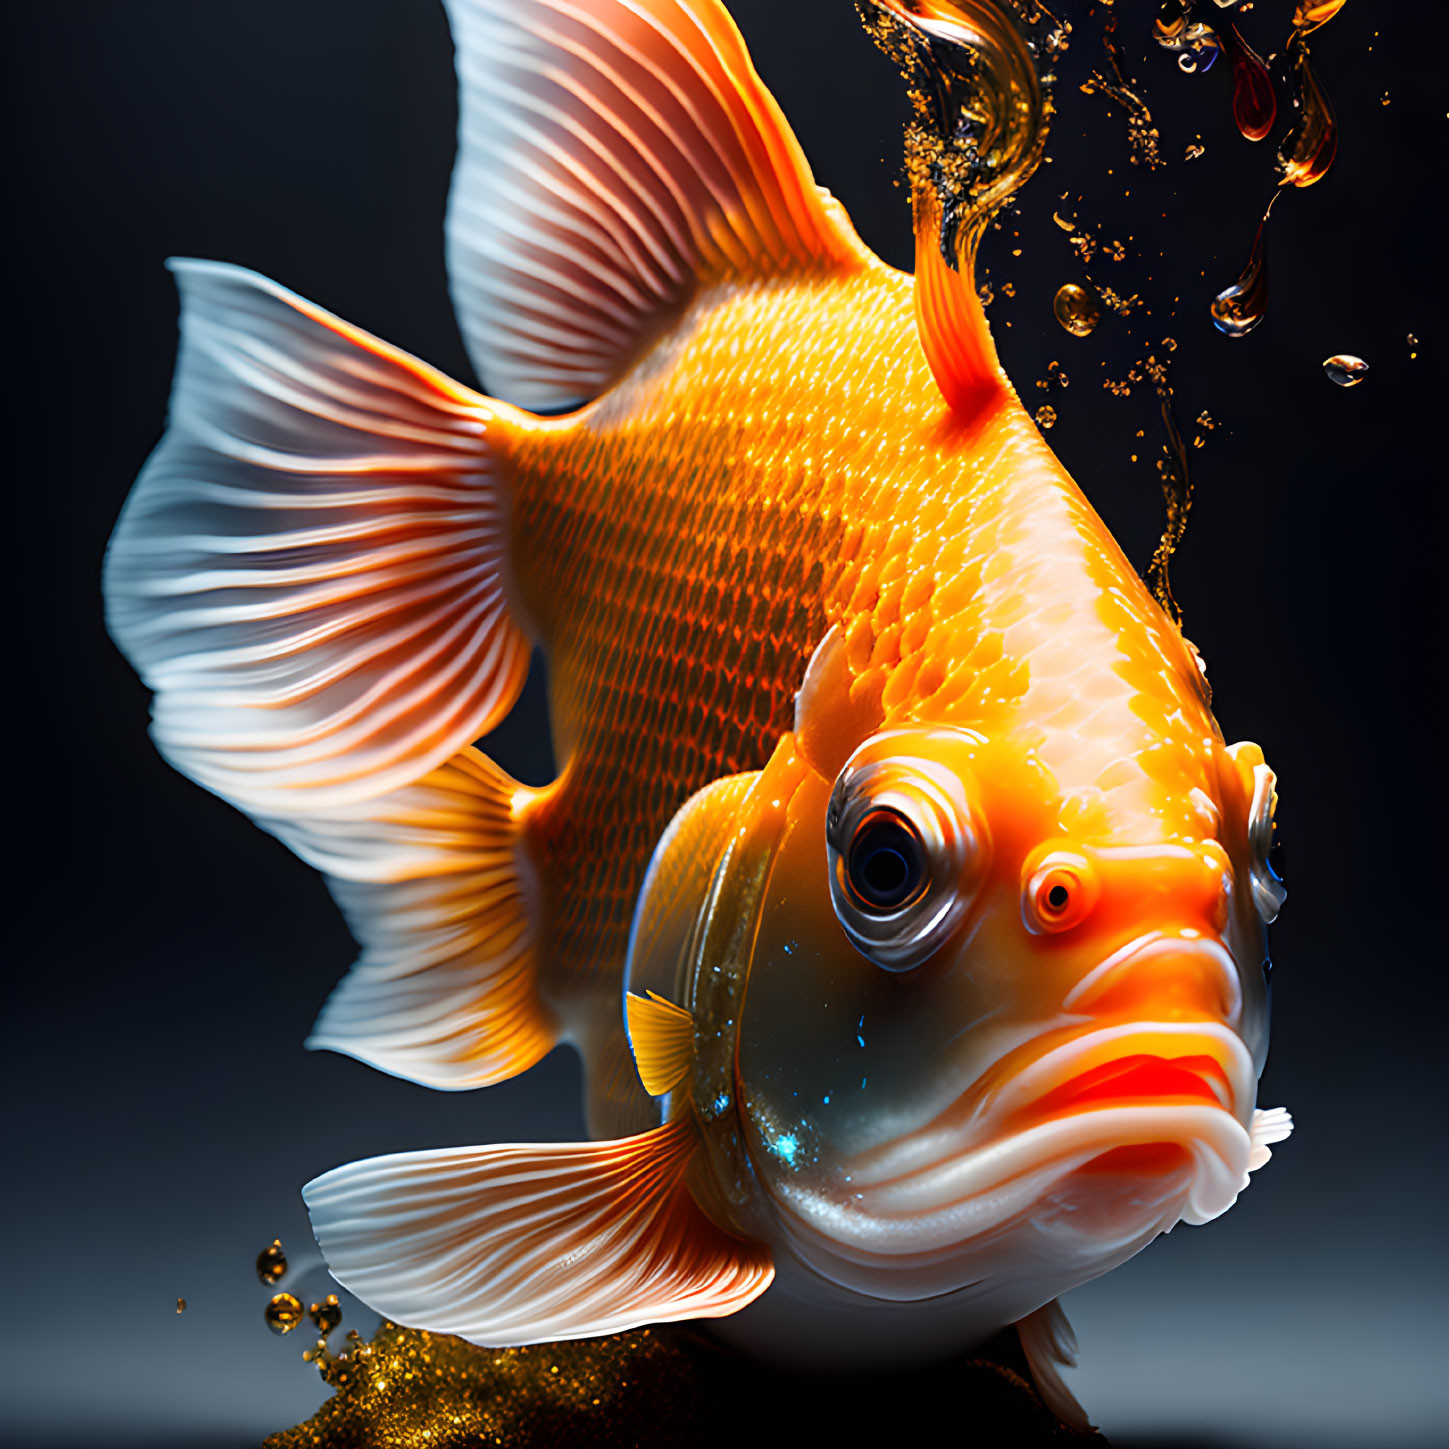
[[310, 570]]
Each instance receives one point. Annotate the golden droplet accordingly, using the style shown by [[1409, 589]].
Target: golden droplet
[[326, 1314], [283, 1313], [272, 1264], [181, 1305], [1046, 416], [1063, 222], [1238, 309], [1344, 369], [1194, 150], [1206, 420], [1076, 309]]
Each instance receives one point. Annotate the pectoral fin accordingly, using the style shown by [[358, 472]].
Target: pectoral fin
[[662, 1037], [531, 1244]]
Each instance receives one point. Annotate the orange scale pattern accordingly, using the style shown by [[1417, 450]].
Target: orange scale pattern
[[780, 462]]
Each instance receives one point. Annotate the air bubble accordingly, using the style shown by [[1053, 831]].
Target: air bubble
[[1345, 370], [1077, 309]]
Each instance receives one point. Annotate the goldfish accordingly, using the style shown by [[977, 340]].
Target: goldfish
[[897, 886]]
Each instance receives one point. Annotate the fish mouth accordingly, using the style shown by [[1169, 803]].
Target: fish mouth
[[1119, 1131]]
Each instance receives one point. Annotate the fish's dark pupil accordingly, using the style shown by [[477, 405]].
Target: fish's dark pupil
[[886, 862], [1057, 897]]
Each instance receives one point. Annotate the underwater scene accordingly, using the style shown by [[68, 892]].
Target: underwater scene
[[741, 673]]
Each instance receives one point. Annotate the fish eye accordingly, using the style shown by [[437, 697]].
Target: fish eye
[[904, 850], [886, 863], [1060, 889]]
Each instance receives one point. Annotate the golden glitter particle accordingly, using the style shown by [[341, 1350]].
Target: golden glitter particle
[[1046, 416], [1194, 150], [181, 1305], [283, 1313], [1205, 420], [272, 1264], [653, 1387], [326, 1315]]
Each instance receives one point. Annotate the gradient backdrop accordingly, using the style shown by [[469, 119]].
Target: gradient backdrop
[[166, 958]]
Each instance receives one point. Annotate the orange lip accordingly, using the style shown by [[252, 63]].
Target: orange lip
[[1138, 1078]]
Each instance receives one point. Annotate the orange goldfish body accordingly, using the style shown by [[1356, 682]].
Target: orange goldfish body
[[898, 887]]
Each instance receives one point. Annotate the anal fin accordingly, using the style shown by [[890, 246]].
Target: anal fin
[[1050, 1346], [535, 1243]]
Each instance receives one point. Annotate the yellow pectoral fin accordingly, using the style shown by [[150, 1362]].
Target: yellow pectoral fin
[[510, 1245], [662, 1037]]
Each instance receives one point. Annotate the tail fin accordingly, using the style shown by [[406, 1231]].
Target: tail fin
[[611, 156], [434, 884], [310, 570]]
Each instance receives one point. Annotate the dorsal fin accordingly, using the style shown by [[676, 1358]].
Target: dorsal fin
[[982, 115], [952, 324], [612, 154], [662, 1037]]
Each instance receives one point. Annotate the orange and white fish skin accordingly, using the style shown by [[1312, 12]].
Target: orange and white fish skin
[[898, 886]]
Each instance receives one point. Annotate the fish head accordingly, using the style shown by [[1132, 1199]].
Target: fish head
[[987, 1027]]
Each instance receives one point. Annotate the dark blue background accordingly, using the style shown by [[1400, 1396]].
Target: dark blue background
[[166, 958]]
